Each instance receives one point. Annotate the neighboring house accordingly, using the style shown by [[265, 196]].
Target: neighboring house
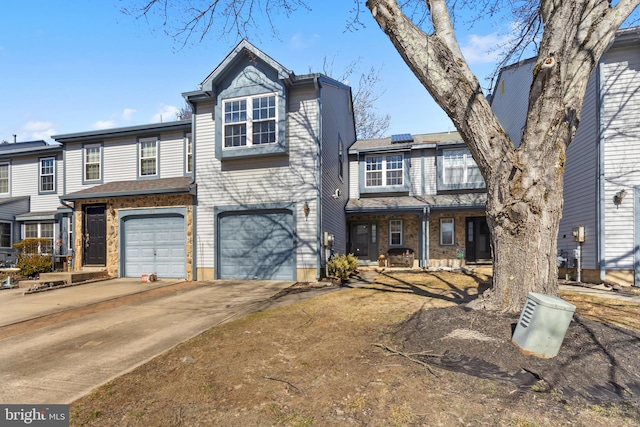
[[267, 150], [31, 175], [132, 194], [421, 195], [602, 175], [270, 152]]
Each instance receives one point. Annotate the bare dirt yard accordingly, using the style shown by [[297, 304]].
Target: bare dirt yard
[[401, 350]]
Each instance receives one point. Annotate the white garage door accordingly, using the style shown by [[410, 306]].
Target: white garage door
[[256, 246], [154, 244]]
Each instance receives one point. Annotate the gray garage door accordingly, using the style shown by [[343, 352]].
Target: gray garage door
[[154, 244], [257, 245]]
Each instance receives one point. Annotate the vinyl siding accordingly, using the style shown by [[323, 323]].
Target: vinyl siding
[[430, 184], [354, 189], [25, 181], [622, 152], [511, 99], [415, 173], [172, 155], [581, 182], [336, 124]]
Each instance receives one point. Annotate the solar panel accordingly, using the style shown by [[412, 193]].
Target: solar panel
[[403, 137]]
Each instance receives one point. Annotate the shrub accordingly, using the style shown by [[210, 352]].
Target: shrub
[[341, 266], [30, 261]]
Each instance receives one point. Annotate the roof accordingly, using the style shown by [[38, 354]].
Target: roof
[[179, 185], [147, 129], [27, 148], [407, 141], [417, 203]]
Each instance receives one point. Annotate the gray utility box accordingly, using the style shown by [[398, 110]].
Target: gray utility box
[[542, 325]]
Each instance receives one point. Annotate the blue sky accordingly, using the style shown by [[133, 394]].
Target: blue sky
[[79, 66]]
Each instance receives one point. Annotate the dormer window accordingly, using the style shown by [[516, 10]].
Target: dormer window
[[245, 128], [457, 170]]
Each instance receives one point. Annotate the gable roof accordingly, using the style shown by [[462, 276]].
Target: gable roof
[[242, 50]]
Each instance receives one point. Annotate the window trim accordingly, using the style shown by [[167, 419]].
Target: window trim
[[188, 153], [250, 120], [141, 142], [10, 225], [452, 221], [392, 232], [442, 185], [39, 234], [405, 159], [8, 165], [100, 163], [52, 174]]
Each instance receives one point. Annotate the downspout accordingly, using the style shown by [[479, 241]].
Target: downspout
[[319, 247], [426, 213], [600, 194]]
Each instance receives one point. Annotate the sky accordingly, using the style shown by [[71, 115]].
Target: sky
[[77, 66]]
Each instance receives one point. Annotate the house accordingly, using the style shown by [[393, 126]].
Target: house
[[31, 175], [602, 171], [418, 199], [270, 164], [242, 190], [132, 195]]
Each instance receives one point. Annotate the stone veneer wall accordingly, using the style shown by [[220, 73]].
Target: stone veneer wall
[[113, 225], [446, 255]]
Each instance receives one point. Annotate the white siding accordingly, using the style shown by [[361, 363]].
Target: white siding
[[580, 183], [120, 160], [354, 188], [622, 152], [172, 155]]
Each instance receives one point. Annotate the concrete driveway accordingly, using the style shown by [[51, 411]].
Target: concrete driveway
[[63, 361]]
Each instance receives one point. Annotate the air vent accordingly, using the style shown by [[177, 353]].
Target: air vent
[[402, 137]]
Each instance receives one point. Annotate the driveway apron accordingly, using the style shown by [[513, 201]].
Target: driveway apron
[[64, 361]]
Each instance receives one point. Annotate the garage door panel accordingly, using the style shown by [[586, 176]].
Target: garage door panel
[[256, 245], [155, 244]]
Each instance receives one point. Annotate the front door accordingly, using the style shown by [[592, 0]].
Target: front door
[[478, 239], [94, 235], [363, 241]]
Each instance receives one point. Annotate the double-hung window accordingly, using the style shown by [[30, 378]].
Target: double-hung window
[[189, 153], [42, 230], [459, 168], [4, 178], [447, 227], [384, 171], [92, 163], [148, 157], [250, 121], [47, 175], [395, 232]]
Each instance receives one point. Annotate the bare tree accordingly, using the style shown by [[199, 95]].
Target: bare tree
[[369, 123], [524, 183]]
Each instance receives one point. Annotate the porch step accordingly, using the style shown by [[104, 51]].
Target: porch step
[[73, 276]]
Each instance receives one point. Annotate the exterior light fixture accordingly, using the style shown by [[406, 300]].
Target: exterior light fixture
[[617, 199], [306, 209]]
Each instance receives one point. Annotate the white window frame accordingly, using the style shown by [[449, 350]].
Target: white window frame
[[189, 153], [7, 223], [340, 159], [444, 241], [384, 166], [96, 149], [396, 227], [7, 178], [244, 120], [39, 235], [142, 144], [463, 160], [50, 172]]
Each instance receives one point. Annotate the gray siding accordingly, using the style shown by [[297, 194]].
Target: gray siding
[[25, 181], [581, 182], [336, 124], [622, 152]]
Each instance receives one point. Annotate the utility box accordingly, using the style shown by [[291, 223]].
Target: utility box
[[542, 325]]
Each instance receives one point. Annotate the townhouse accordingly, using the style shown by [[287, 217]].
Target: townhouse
[[417, 200], [601, 216]]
